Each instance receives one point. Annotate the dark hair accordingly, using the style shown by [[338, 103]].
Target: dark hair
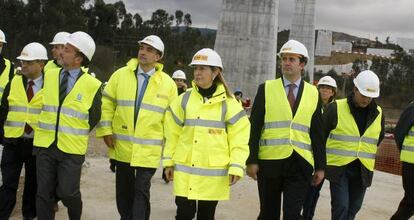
[[236, 93], [85, 60], [303, 59]]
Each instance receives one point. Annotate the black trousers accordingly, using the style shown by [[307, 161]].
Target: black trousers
[[133, 191], [186, 209], [17, 153], [406, 207], [58, 173], [287, 179]]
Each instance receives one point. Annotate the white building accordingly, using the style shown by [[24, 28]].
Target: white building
[[380, 52], [323, 43], [342, 46]]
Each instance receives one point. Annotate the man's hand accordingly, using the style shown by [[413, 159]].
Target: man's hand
[[233, 179], [109, 141], [252, 170], [318, 177], [169, 173]]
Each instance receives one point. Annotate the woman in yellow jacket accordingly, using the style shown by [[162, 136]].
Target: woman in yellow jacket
[[206, 132]]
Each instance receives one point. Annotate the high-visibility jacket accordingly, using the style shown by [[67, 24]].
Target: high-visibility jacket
[[282, 133], [139, 143], [407, 150], [20, 110], [206, 141], [72, 116], [50, 65], [4, 77], [345, 144]]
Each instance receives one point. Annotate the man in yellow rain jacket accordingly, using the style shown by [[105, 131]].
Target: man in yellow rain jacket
[[133, 107]]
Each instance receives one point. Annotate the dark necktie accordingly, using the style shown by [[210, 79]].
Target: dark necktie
[[291, 96], [63, 87], [30, 94], [142, 90]]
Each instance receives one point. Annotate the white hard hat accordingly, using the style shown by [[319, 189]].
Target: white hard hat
[[368, 84], [155, 42], [207, 57], [2, 37], [33, 51], [327, 80], [60, 38], [179, 74], [83, 42], [294, 46]]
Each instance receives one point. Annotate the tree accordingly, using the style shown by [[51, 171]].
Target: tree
[[178, 17], [187, 20], [138, 20]]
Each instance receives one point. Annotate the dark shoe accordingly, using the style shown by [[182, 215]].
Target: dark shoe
[[28, 218]]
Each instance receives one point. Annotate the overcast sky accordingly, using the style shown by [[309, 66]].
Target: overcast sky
[[368, 18]]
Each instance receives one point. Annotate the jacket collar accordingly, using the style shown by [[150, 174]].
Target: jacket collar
[[218, 96], [133, 65]]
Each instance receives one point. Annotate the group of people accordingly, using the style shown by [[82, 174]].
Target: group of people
[[294, 138]]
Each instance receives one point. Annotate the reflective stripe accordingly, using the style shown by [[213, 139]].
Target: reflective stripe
[[76, 131], [350, 153], [223, 110], [153, 108], [176, 119], [73, 113], [35, 110], [353, 138], [1, 89], [106, 95], [204, 123], [408, 148], [236, 165], [411, 133], [47, 126], [237, 117], [201, 171], [17, 109], [277, 124], [125, 102], [166, 158], [284, 141], [64, 129], [66, 111], [286, 124], [104, 124], [50, 108], [14, 124], [184, 101], [300, 127], [138, 140]]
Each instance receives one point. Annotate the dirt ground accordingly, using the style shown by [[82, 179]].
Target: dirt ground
[[98, 194]]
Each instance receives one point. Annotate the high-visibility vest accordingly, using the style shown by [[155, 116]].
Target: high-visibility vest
[[407, 150], [4, 77], [282, 133], [20, 110], [73, 130], [139, 143], [345, 144], [206, 141]]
